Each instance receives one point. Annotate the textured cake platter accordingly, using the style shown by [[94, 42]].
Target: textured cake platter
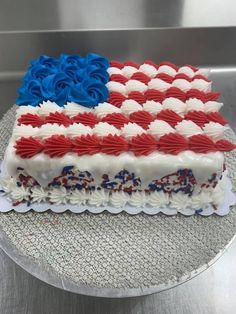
[[114, 255]]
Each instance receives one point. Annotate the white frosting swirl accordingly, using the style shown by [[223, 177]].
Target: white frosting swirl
[[158, 84], [152, 107], [78, 197], [188, 128], [19, 193], [132, 129], [186, 70], [26, 109], [204, 72], [182, 84], [179, 201], [138, 199], [49, 129], [47, 107], [214, 130], [174, 104], [98, 198], [103, 129], [128, 71], [166, 69], [38, 194], [129, 105], [105, 108], [78, 129], [114, 70], [58, 196], [116, 87], [24, 130], [158, 199], [194, 104], [119, 199], [201, 85], [200, 200], [160, 128], [212, 106], [135, 85], [148, 69], [72, 109]]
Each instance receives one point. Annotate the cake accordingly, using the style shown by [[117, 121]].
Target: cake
[[94, 132]]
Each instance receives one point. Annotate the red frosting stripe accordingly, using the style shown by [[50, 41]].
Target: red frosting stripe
[[27, 147], [118, 120], [195, 93], [170, 64], [131, 64], [182, 76], [165, 77], [86, 118], [31, 119], [201, 143], [143, 144], [153, 94], [114, 145], [201, 77], [173, 143], [224, 146], [176, 93], [150, 62], [59, 118], [191, 67], [57, 146], [198, 117], [87, 145], [142, 118], [169, 116], [216, 117], [137, 96], [212, 96], [116, 64], [116, 99], [140, 76], [118, 78]]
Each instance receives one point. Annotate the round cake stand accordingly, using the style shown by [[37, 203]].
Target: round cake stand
[[114, 255]]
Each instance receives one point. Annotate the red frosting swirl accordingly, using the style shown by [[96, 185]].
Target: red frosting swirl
[[176, 93], [131, 64], [59, 118], [191, 67], [137, 96], [116, 99], [86, 118], [142, 118], [118, 78], [198, 117], [118, 120], [31, 119], [170, 64], [224, 146], [201, 77], [201, 143], [114, 145], [169, 116], [143, 144], [195, 93], [165, 77], [57, 146], [173, 143], [217, 117], [87, 145], [140, 76], [150, 62], [116, 64], [27, 147], [153, 94], [182, 76], [212, 96]]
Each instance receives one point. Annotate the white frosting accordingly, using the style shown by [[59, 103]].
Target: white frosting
[[174, 104], [186, 70], [194, 104], [152, 107], [214, 130], [160, 128], [119, 199], [188, 128], [72, 109], [158, 199], [129, 105], [58, 196], [47, 107], [24, 131], [128, 71], [201, 200], [132, 129], [78, 129], [78, 197], [148, 69], [26, 109], [138, 199], [166, 69], [116, 87], [182, 84], [49, 129], [212, 106], [179, 201], [201, 85], [19, 193], [99, 198], [158, 84], [38, 194], [135, 85], [103, 129], [114, 70], [105, 108], [202, 71]]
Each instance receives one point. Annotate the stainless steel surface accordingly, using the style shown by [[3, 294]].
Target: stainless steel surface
[[104, 14]]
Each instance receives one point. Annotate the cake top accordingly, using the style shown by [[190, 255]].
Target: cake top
[[88, 105]]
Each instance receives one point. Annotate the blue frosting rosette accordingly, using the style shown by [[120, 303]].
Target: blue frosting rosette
[[69, 78]]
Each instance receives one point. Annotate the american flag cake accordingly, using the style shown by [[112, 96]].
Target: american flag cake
[[90, 131]]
